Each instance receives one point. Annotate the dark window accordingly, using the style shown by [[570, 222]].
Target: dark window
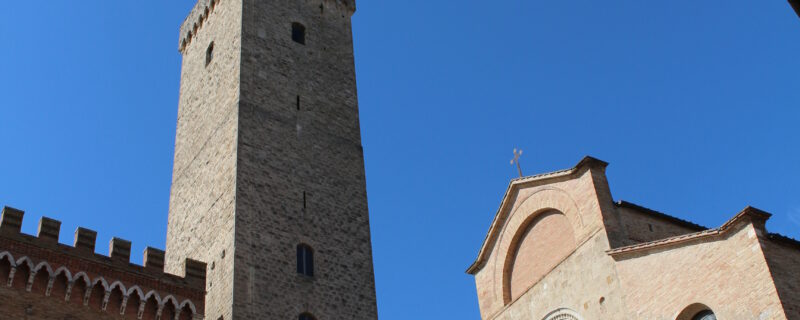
[[307, 316], [299, 33], [705, 315], [305, 260], [210, 53], [650, 226], [298, 102]]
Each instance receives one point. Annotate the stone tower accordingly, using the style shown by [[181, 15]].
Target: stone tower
[[268, 160]]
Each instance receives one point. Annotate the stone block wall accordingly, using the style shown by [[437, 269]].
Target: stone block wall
[[202, 198]]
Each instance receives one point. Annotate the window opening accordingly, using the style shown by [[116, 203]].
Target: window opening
[[307, 316], [298, 103], [705, 315], [305, 260], [299, 33], [210, 53]]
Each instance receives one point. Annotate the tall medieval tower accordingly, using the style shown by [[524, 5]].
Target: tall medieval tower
[[268, 185]]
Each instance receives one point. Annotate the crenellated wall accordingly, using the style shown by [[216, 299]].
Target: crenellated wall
[[41, 278]]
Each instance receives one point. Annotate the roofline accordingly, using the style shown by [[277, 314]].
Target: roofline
[[755, 214], [587, 161], [661, 215]]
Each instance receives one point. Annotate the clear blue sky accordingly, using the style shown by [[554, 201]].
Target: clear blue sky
[[694, 103]]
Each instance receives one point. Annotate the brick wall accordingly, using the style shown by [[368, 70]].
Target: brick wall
[[43, 279], [726, 273], [783, 258]]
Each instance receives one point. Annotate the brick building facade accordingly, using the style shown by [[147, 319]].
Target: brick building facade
[[560, 248], [268, 188]]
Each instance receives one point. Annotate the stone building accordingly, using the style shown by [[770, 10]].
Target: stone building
[[560, 248], [268, 213]]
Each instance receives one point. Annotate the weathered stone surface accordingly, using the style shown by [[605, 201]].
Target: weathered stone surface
[[268, 156]]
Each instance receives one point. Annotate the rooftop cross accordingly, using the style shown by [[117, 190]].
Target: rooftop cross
[[517, 154]]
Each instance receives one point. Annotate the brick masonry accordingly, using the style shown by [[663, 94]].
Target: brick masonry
[[43, 279], [626, 261]]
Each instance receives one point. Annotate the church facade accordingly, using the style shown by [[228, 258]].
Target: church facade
[[268, 214], [560, 248]]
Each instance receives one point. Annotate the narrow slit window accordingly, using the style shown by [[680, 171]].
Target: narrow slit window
[[299, 33], [304, 200], [305, 260], [210, 53], [298, 103]]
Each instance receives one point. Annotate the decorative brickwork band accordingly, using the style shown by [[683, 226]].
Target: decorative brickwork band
[[78, 276]]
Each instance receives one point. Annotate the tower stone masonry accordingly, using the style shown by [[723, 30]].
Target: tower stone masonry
[[268, 157]]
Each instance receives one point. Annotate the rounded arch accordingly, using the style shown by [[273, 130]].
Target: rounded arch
[[542, 242], [563, 314], [541, 201], [696, 311]]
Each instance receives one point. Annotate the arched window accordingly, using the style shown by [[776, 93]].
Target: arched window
[[705, 315], [696, 311], [307, 316], [299, 33], [562, 314], [305, 260]]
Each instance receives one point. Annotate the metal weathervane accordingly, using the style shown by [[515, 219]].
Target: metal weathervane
[[517, 154]]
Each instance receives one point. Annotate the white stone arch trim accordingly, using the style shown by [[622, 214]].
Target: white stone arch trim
[[82, 276], [563, 314], [136, 290], [170, 298], [121, 286], [65, 271], [102, 281], [7, 255], [25, 260], [546, 199], [46, 266], [190, 304], [153, 293]]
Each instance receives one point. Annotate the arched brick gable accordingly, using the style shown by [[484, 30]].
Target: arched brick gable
[[539, 245], [547, 199]]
